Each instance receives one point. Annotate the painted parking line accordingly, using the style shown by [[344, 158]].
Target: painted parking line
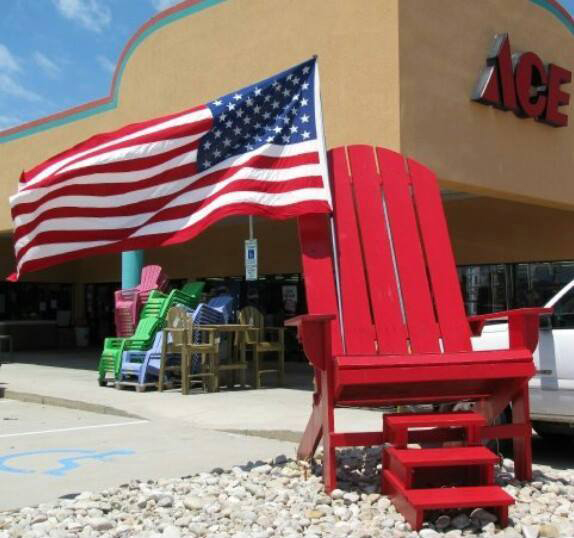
[[79, 428]]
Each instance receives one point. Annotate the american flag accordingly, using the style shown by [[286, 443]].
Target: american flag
[[256, 151]]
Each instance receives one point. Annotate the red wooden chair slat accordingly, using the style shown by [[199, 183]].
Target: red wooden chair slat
[[440, 259], [421, 322], [317, 258], [377, 250], [359, 335]]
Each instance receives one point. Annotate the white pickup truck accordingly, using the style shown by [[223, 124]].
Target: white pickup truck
[[552, 389]]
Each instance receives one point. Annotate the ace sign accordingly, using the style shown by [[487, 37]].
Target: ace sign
[[522, 83]]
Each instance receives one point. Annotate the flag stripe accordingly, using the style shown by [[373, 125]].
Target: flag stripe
[[100, 141], [166, 239], [172, 184], [66, 230], [273, 182]]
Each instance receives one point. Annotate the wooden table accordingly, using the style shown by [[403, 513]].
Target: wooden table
[[238, 355]]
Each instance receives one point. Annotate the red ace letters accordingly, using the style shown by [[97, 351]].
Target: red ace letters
[[522, 83]]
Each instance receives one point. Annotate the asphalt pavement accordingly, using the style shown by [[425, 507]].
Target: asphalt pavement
[[47, 452]]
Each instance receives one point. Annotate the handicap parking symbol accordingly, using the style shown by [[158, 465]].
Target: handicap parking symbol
[[66, 460]]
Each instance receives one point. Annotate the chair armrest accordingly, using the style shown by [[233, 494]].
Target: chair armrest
[[314, 332], [297, 321], [523, 325]]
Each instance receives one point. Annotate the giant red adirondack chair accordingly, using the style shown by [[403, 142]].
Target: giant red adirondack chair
[[392, 330]]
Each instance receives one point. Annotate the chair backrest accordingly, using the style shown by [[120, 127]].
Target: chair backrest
[[152, 278], [398, 285], [194, 290], [250, 315], [223, 303], [177, 319]]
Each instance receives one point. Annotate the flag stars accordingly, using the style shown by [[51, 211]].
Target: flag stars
[[270, 113]]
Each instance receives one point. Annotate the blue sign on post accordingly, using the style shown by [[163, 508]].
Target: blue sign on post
[[251, 259]]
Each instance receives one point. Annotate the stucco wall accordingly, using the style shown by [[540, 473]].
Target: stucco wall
[[487, 230], [473, 147]]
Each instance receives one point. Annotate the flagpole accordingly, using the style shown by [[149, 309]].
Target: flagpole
[[323, 158]]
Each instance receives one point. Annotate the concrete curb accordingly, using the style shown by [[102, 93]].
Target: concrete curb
[[69, 404]]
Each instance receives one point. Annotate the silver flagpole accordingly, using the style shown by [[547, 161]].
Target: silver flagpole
[[323, 158]]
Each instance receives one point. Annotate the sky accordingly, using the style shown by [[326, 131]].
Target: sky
[[56, 54]]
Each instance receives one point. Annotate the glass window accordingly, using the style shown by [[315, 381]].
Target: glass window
[[563, 316]]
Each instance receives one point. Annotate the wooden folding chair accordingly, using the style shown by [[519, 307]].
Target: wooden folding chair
[[258, 341]]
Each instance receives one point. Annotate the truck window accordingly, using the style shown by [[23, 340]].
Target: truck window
[[563, 317]]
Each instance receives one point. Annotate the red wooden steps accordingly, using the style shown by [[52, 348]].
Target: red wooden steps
[[419, 480], [443, 457], [414, 503], [396, 426]]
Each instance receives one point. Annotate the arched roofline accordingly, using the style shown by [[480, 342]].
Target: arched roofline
[[184, 9]]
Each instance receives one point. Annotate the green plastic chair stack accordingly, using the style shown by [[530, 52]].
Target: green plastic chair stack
[[154, 305], [111, 358], [152, 319]]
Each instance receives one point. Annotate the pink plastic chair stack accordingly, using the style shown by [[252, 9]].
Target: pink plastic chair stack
[[128, 302]]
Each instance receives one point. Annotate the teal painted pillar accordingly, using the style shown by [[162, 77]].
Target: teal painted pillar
[[132, 263]]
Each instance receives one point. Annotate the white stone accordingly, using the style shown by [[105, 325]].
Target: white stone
[[429, 533], [100, 524], [530, 531]]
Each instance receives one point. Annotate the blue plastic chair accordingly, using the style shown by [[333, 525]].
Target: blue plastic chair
[[224, 304]]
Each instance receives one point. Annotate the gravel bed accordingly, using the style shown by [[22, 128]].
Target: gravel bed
[[285, 498]]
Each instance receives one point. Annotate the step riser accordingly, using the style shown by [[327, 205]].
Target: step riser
[[414, 515]]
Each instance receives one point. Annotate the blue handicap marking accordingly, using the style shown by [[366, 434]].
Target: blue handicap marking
[[65, 464]]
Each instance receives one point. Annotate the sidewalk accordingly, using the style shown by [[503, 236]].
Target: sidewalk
[[70, 378]]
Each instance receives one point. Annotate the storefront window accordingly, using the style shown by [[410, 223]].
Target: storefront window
[[491, 288]]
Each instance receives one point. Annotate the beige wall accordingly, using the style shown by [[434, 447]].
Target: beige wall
[[473, 147], [487, 230]]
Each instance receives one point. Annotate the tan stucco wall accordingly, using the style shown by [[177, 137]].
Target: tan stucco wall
[[234, 44], [487, 230], [473, 147]]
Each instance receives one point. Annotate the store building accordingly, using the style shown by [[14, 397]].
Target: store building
[[394, 73]]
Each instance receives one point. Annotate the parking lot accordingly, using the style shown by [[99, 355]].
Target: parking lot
[[47, 452]]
